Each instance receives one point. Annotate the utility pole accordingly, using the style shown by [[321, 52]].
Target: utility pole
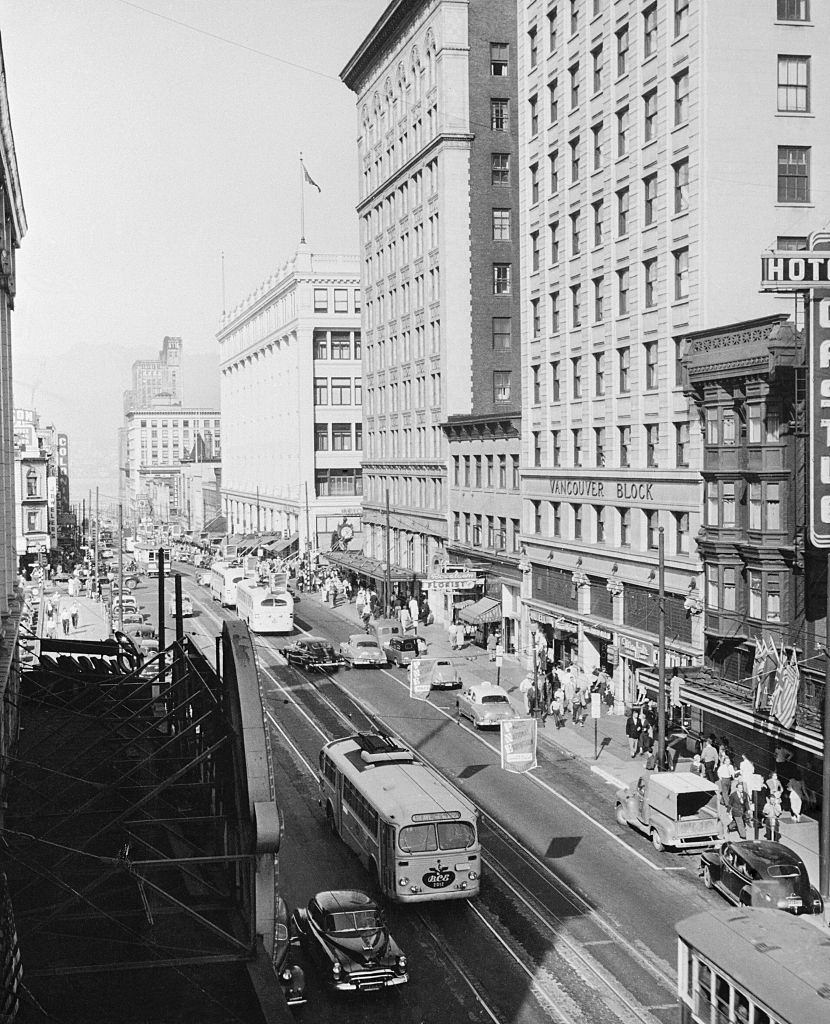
[[160, 557], [97, 532], [661, 642], [307, 528], [388, 565], [121, 567]]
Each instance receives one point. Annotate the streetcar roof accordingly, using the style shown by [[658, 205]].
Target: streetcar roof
[[780, 960], [397, 789]]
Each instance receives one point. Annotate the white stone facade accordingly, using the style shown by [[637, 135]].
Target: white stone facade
[[291, 397]]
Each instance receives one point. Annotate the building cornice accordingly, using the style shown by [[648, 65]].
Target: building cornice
[[11, 176], [389, 26]]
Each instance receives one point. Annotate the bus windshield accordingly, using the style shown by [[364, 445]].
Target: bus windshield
[[450, 835]]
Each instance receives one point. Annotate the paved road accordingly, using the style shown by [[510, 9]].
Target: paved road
[[594, 901]]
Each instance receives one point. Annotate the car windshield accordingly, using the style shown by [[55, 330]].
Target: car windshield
[[318, 648], [353, 921], [442, 835], [495, 698], [783, 871]]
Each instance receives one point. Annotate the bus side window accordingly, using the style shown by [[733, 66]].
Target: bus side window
[[722, 992], [761, 1016]]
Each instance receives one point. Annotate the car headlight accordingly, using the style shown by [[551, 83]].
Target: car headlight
[[473, 875], [336, 969], [286, 974], [401, 962], [403, 881]]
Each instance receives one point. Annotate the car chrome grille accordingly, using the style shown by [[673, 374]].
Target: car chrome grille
[[369, 978]]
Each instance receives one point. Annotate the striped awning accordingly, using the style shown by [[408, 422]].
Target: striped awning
[[484, 610]]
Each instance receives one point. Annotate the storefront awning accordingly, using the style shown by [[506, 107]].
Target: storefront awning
[[484, 610], [280, 545], [363, 565]]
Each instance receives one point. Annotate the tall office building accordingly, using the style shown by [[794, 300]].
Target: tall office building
[[663, 147], [157, 379], [291, 397], [436, 102]]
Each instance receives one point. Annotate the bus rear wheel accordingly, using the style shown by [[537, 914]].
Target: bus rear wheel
[[330, 820]]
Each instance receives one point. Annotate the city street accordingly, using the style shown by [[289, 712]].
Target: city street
[[575, 914]]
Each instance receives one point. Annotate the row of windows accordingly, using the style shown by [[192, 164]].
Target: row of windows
[[488, 471], [402, 396], [385, 162], [413, 295], [338, 437], [593, 230], [336, 344], [386, 352], [396, 206], [407, 443], [338, 391], [577, 455], [595, 523], [731, 504], [599, 294], [330, 482], [753, 422], [336, 300], [363, 811], [757, 593], [396, 254], [408, 491], [561, 390], [184, 423], [494, 532]]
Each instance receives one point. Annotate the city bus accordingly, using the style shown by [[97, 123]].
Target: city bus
[[751, 965], [263, 609], [223, 580], [412, 829]]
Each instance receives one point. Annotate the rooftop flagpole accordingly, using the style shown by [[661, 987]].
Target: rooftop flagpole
[[302, 201]]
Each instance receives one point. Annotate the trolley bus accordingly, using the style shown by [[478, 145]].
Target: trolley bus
[[223, 581], [414, 830], [752, 966], [263, 609]]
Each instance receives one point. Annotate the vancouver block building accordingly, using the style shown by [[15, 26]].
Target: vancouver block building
[[437, 140], [655, 168]]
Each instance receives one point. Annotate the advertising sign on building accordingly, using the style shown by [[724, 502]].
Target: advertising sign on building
[[637, 650], [421, 672], [819, 391], [794, 271], [449, 582], [518, 745]]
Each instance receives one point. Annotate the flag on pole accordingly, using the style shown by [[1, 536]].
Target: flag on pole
[[763, 671], [785, 698], [309, 179]]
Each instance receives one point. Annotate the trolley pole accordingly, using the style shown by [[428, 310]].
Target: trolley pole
[[388, 601], [661, 640]]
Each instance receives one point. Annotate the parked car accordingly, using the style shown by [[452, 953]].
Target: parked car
[[485, 704], [187, 605], [676, 809], [362, 649], [144, 637], [312, 653], [345, 934], [445, 675], [203, 579], [761, 873], [401, 650]]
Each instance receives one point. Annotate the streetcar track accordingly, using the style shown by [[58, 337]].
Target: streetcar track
[[545, 917]]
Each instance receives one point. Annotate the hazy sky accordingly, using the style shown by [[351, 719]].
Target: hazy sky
[[145, 149]]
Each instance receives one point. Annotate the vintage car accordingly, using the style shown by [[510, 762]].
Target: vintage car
[[675, 809], [345, 934], [485, 704], [401, 650], [144, 637], [312, 653], [187, 605], [291, 975], [362, 649], [203, 579], [445, 675], [761, 873]]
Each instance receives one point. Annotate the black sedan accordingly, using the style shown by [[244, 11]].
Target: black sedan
[[344, 932], [761, 873], [312, 653]]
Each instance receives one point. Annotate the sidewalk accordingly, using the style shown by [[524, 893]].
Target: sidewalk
[[613, 764], [93, 623]]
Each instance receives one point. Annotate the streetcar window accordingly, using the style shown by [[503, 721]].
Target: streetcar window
[[722, 993], [418, 839], [455, 835], [704, 992]]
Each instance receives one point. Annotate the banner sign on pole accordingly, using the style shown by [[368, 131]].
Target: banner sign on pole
[[818, 461], [518, 745], [421, 673], [596, 710]]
